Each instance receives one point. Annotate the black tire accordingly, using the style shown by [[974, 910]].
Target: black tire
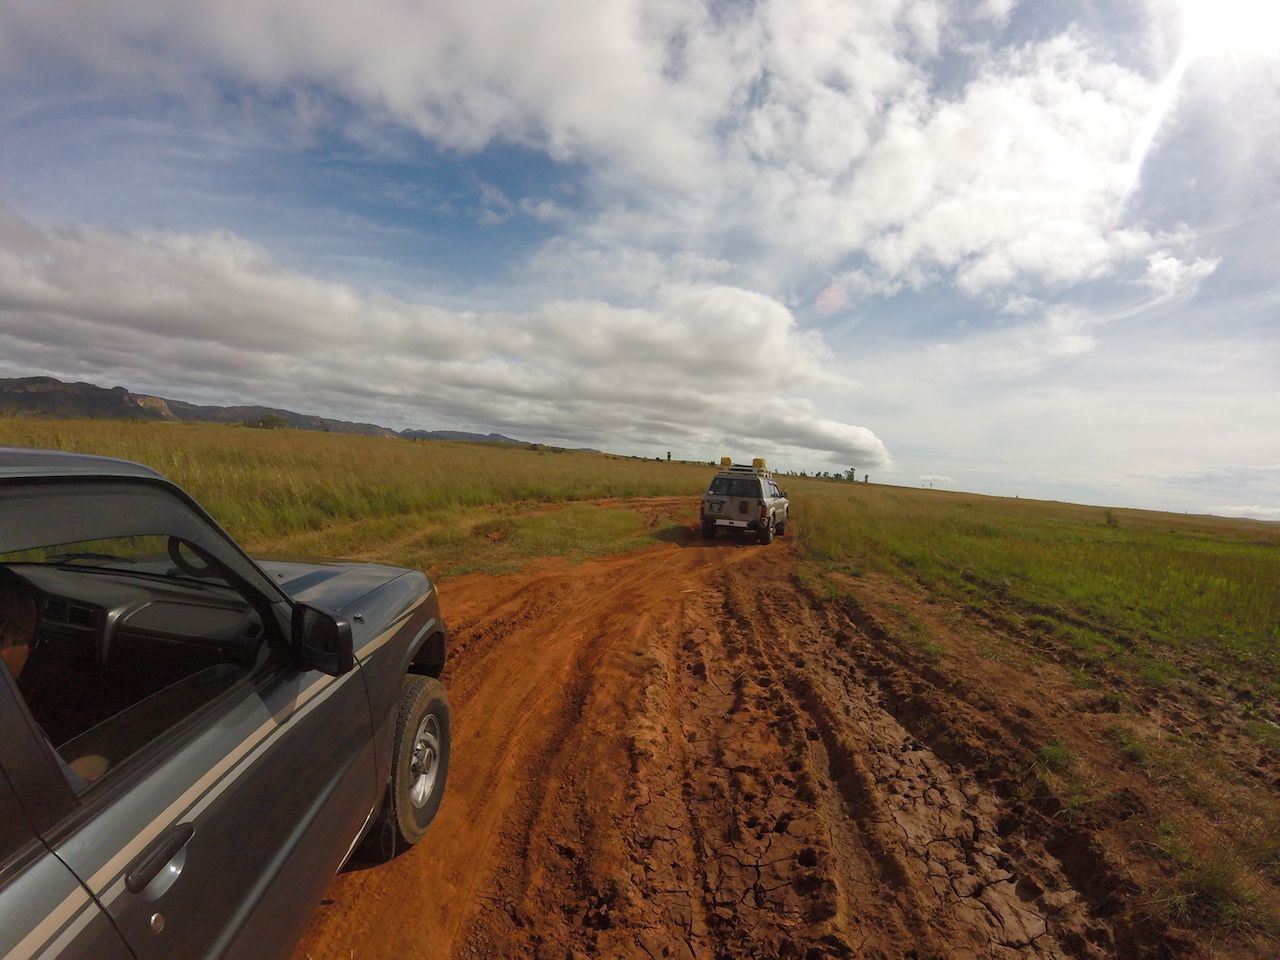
[[414, 794], [782, 528], [708, 531], [766, 532]]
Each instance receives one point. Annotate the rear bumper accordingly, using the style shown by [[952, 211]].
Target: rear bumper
[[737, 524]]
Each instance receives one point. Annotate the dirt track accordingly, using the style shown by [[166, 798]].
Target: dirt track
[[681, 752]]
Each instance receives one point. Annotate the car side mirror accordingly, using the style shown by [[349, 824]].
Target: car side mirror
[[321, 640]]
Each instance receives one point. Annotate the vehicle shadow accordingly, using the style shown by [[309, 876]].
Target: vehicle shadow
[[691, 536], [376, 849]]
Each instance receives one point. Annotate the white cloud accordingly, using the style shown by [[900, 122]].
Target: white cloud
[[1171, 277], [997, 10], [787, 135], [545, 210], [1016, 180], [710, 367], [1020, 304], [1250, 512], [1058, 335]]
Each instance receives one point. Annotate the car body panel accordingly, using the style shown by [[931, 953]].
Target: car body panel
[[37, 462], [253, 786], [264, 789], [390, 624], [53, 916], [50, 912], [398, 620], [328, 583]]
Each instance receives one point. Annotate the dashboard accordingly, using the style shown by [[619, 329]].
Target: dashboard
[[110, 643]]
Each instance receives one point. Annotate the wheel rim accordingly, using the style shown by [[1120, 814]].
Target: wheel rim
[[425, 765]]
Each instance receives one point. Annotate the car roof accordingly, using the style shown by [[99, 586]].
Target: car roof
[[36, 462]]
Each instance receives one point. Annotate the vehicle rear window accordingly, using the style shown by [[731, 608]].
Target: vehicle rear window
[[735, 487]]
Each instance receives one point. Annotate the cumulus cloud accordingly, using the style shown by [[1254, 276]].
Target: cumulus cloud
[[788, 135], [996, 9], [708, 367], [1169, 277], [1016, 179]]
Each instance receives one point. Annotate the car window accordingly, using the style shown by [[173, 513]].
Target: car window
[[735, 487], [114, 640]]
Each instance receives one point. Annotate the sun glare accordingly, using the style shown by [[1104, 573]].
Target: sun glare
[[1230, 26], [1209, 28]]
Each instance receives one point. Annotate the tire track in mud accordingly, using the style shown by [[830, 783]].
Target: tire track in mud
[[680, 753]]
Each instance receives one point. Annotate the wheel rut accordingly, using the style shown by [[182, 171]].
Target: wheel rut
[[682, 753]]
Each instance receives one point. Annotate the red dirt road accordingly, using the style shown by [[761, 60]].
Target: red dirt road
[[681, 752]]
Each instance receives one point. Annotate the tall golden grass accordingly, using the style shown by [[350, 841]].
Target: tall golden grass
[[265, 486]]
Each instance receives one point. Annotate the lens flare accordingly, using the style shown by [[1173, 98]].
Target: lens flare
[[830, 300]]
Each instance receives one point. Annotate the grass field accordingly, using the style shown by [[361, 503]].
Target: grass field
[[1169, 628], [441, 505], [1154, 615], [1112, 583], [1118, 586]]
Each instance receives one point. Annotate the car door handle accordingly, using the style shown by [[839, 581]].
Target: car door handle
[[152, 860]]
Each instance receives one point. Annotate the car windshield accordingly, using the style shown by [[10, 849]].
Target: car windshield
[[735, 487], [156, 556]]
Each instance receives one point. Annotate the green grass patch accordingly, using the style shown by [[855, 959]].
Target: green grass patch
[[1265, 732], [578, 531], [1212, 894], [1206, 892], [1128, 743], [1128, 587], [1056, 756]]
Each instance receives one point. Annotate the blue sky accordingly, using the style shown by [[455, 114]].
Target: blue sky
[[1008, 247]]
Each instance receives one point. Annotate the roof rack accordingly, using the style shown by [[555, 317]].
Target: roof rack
[[757, 468]]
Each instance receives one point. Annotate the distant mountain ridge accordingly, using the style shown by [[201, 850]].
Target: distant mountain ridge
[[50, 398]]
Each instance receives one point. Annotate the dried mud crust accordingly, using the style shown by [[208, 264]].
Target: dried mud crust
[[774, 787], [682, 752]]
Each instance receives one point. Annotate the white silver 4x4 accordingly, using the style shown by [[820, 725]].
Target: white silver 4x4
[[744, 498]]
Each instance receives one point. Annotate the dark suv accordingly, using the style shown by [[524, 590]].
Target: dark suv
[[191, 742]]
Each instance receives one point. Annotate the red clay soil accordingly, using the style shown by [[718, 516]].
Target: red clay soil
[[683, 752]]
